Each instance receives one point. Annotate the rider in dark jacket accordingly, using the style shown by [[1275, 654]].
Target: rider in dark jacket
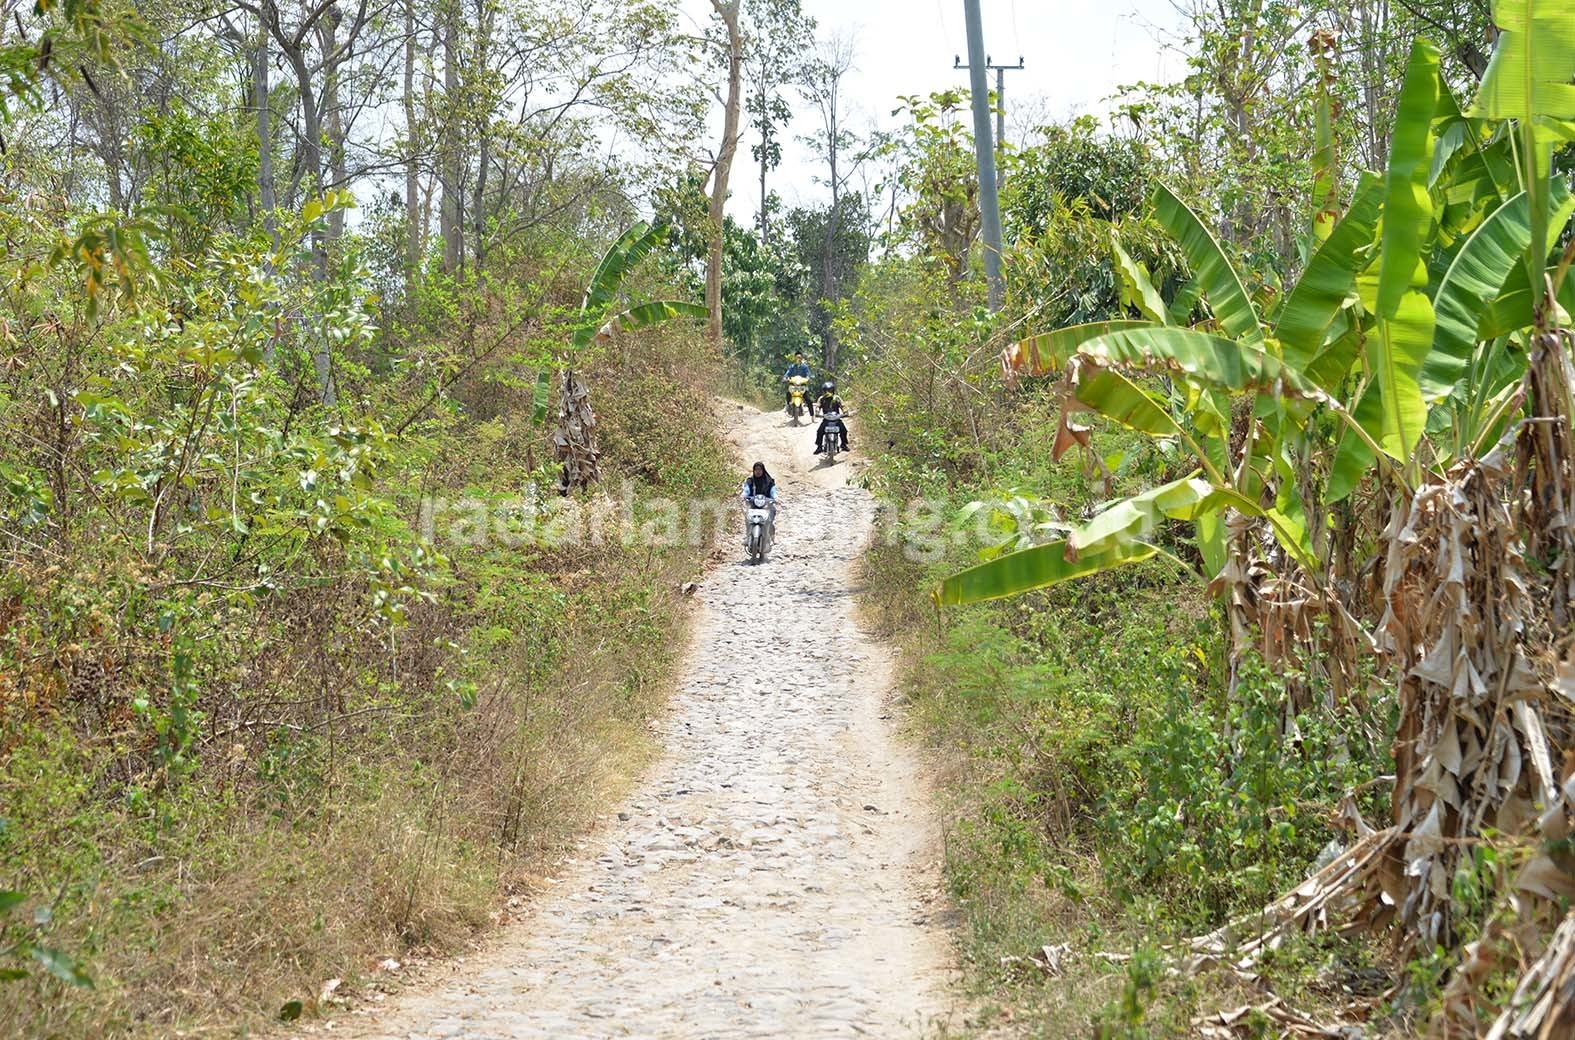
[[829, 402]]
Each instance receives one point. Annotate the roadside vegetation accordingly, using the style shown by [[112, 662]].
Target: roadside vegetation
[[1241, 643], [302, 668]]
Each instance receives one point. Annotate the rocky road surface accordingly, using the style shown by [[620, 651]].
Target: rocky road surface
[[775, 875]]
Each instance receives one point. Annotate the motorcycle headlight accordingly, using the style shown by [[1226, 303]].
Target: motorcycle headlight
[[760, 501]]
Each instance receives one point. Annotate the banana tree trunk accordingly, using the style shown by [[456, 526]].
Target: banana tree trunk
[[1547, 452], [575, 437], [1472, 750]]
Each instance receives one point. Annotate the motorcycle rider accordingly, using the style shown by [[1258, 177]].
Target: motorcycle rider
[[759, 482], [799, 367], [829, 402]]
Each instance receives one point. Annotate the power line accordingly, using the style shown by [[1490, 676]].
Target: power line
[[1000, 97]]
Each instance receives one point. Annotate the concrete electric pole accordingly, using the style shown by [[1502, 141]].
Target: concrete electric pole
[[989, 197]]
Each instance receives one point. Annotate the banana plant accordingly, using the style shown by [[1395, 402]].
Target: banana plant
[[603, 314], [1413, 376], [1433, 324]]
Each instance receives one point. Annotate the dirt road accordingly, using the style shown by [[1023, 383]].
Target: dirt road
[[775, 875]]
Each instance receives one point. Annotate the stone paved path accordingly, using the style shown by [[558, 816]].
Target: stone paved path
[[775, 874]]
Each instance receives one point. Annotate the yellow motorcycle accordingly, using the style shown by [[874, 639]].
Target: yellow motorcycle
[[798, 397]]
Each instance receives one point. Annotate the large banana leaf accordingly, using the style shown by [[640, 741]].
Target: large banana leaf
[[1473, 281], [1027, 569], [1130, 519], [1117, 398], [541, 395], [1408, 206], [1398, 353], [1330, 277], [1046, 353], [1180, 312], [1529, 79], [656, 311], [1353, 456], [1405, 328], [638, 317], [1137, 289], [1212, 361], [1458, 138], [1211, 269], [1530, 75], [621, 258], [1330, 366], [1513, 308]]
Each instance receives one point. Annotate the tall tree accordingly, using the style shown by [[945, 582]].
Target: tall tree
[[728, 12], [415, 230], [780, 37], [450, 173], [823, 86], [832, 245]]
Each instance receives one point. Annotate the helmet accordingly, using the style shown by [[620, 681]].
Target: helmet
[[828, 387]]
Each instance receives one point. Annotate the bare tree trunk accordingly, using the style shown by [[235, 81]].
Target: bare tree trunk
[[333, 117], [310, 145], [451, 216], [483, 140], [828, 276], [823, 87], [311, 135], [111, 146], [414, 232], [267, 202], [765, 159], [728, 10]]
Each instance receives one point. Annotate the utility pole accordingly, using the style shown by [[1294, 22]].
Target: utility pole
[[1000, 106], [989, 200]]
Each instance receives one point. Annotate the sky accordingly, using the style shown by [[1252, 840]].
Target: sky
[[1076, 54]]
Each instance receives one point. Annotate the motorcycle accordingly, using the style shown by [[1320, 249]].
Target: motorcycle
[[798, 397], [833, 434], [757, 520]]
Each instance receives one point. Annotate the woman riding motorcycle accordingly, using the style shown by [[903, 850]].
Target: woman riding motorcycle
[[759, 482], [829, 402]]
